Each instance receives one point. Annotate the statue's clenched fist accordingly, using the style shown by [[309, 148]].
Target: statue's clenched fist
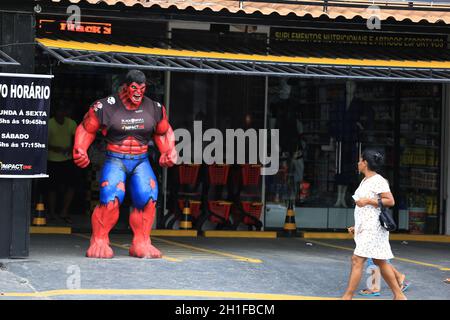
[[80, 157]]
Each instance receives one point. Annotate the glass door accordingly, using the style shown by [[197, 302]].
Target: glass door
[[309, 115], [420, 108], [324, 125]]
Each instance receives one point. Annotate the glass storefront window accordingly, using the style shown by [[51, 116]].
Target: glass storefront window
[[323, 126], [75, 91], [218, 102], [326, 124], [420, 144]]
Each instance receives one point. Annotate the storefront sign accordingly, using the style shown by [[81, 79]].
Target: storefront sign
[[85, 27], [24, 109], [99, 28], [372, 39], [54, 26]]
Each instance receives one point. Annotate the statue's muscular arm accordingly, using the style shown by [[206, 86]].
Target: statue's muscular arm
[[84, 136], [164, 138]]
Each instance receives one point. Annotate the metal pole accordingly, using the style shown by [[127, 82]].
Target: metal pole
[[263, 198], [445, 157], [167, 81]]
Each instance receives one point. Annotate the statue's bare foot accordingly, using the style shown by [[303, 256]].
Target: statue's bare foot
[[100, 248], [144, 250]]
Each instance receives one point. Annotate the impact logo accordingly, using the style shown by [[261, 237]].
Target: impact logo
[[132, 124], [97, 106], [111, 100], [14, 167], [133, 127]]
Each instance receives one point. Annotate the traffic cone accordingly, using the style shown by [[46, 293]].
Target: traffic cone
[[290, 228], [39, 218], [186, 221]]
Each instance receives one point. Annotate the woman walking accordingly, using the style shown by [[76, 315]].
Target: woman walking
[[372, 240]]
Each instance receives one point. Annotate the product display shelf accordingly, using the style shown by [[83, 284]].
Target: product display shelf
[[419, 166]]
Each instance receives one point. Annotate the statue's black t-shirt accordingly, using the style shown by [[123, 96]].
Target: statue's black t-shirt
[[121, 123]]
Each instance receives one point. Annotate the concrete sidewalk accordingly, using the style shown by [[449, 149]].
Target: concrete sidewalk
[[211, 268]]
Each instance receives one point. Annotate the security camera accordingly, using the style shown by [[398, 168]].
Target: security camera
[[37, 8]]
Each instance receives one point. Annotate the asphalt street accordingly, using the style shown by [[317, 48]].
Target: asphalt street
[[212, 268]]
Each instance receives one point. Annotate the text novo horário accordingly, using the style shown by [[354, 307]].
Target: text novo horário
[[21, 91]]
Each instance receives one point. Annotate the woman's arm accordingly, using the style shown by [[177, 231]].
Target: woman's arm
[[386, 198]]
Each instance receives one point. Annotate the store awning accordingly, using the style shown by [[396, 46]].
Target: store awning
[[6, 60], [399, 10], [371, 67]]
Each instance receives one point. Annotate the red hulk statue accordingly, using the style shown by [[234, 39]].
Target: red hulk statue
[[128, 120]]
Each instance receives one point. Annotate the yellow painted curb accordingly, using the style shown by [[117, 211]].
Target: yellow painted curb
[[164, 292], [326, 235], [50, 230], [174, 233], [240, 234], [392, 237], [417, 237]]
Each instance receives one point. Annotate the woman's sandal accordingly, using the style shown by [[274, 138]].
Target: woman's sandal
[[368, 292], [404, 286]]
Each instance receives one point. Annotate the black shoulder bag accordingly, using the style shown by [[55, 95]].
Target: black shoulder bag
[[386, 219]]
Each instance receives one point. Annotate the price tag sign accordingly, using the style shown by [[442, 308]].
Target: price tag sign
[[24, 111]]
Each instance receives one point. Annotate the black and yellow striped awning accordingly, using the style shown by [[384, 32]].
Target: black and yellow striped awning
[[381, 67]]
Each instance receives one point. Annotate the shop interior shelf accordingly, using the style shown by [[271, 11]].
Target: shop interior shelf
[[317, 162], [314, 132], [416, 166], [378, 144], [379, 99], [420, 133], [421, 120], [418, 188], [379, 131], [420, 98], [384, 120], [317, 143], [320, 102], [422, 146]]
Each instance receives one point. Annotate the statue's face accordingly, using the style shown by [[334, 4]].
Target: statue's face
[[136, 92]]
